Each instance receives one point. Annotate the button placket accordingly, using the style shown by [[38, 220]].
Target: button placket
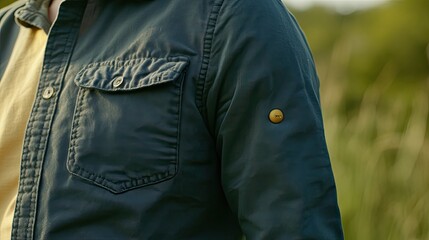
[[62, 36]]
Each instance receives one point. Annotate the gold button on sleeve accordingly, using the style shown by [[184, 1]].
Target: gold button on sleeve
[[276, 116]]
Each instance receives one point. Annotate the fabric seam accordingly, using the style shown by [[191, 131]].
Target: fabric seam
[[207, 51]]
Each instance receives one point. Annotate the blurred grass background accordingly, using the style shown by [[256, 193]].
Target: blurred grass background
[[5, 2], [374, 71]]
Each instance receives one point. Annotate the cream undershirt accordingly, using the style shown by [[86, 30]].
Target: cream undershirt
[[17, 92]]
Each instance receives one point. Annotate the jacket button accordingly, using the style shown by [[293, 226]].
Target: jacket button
[[48, 92], [118, 81], [276, 116]]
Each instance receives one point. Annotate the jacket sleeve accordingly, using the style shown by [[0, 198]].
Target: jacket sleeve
[[277, 177]]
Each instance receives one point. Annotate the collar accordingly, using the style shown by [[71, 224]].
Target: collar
[[35, 14]]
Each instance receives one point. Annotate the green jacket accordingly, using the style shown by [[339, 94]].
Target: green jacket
[[159, 124]]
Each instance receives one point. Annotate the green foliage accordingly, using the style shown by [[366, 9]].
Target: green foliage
[[374, 72], [5, 2]]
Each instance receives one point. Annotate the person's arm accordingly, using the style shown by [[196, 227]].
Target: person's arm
[[277, 177]]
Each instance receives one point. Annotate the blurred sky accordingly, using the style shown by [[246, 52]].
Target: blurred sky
[[339, 5]]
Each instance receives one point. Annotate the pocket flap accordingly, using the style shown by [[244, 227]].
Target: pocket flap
[[125, 75]]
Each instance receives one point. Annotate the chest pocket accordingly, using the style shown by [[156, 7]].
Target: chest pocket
[[125, 127]]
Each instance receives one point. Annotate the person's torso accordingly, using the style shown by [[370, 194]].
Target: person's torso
[[117, 145]]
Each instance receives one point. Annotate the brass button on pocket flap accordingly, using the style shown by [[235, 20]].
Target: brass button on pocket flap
[[130, 74], [117, 82]]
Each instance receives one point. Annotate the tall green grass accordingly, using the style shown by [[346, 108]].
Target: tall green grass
[[374, 72], [379, 152]]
